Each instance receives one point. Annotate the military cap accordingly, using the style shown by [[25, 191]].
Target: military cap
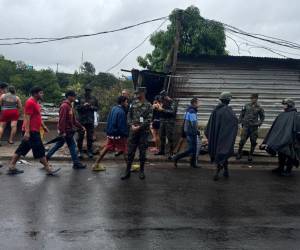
[[140, 90], [88, 87], [3, 85], [255, 96], [225, 96], [289, 102]]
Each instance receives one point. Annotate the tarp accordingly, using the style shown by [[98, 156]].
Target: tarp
[[221, 133], [283, 136]]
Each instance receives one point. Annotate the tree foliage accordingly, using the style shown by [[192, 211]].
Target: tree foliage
[[88, 68], [106, 86], [198, 36]]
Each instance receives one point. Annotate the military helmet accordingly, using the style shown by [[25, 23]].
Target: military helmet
[[225, 96], [289, 102]]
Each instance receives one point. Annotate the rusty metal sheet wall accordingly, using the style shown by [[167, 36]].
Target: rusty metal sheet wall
[[207, 80]]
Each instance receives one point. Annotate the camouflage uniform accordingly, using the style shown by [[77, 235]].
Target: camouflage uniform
[[139, 114], [252, 116], [86, 118], [167, 125]]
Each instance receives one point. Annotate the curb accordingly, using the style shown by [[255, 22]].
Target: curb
[[261, 161]]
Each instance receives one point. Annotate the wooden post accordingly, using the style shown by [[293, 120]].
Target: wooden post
[[175, 49]]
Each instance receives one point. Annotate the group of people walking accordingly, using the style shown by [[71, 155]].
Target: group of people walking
[[131, 121]]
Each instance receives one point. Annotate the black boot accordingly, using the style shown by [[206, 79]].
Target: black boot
[[226, 173], [278, 170], [288, 171], [127, 173], [142, 174], [250, 156], [219, 168], [240, 153], [78, 165]]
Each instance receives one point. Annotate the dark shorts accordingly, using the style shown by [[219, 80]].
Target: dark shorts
[[156, 124], [34, 143]]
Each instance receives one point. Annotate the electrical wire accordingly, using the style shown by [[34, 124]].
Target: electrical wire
[[27, 40], [139, 45], [257, 45]]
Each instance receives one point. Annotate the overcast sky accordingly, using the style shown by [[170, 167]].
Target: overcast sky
[[52, 18]]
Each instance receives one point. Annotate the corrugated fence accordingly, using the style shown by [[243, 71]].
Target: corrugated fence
[[206, 77]]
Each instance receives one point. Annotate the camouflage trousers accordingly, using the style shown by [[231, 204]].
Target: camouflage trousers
[[137, 140], [167, 130], [247, 132]]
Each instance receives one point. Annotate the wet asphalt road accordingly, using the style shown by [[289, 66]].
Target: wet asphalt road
[[171, 209]]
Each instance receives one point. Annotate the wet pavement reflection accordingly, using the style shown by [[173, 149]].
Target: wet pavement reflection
[[172, 209]]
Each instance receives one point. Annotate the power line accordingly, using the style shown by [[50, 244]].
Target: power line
[[28, 40], [257, 45], [140, 44]]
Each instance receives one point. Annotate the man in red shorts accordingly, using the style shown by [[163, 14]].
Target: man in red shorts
[[32, 138], [117, 132]]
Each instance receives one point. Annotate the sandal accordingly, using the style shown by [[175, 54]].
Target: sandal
[[52, 172]]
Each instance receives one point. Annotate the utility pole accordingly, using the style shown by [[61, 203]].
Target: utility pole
[[175, 49], [56, 68], [81, 62]]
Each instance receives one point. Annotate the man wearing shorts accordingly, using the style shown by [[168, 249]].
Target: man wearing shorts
[[32, 138], [117, 132]]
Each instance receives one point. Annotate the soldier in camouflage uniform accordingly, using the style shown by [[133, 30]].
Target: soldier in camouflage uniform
[[86, 105], [139, 119], [252, 116], [167, 116]]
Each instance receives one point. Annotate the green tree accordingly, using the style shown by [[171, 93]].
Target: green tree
[[88, 68], [105, 80], [198, 36], [46, 79], [64, 80], [7, 69]]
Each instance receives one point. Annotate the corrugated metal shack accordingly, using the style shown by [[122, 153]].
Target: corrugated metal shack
[[205, 77]]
